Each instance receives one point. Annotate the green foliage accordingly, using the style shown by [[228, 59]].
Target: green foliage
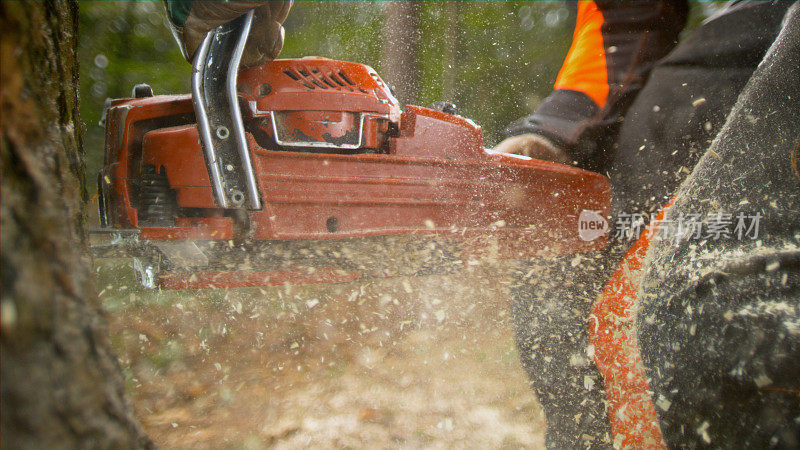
[[700, 11], [346, 30], [122, 44], [507, 55]]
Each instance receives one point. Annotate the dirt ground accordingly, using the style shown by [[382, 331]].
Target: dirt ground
[[426, 362]]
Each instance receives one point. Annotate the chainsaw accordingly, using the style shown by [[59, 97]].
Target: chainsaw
[[309, 171]]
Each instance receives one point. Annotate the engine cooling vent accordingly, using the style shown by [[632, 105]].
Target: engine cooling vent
[[322, 78]]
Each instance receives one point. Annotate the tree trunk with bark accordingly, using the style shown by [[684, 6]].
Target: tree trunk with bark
[[400, 38], [61, 384]]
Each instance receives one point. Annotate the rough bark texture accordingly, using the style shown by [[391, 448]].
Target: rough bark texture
[[400, 38], [61, 384]]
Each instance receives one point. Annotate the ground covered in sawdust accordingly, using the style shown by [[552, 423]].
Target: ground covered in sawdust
[[425, 362]]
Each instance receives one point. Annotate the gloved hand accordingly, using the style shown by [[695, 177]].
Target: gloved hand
[[191, 20], [535, 146]]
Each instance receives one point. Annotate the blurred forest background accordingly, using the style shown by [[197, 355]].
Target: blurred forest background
[[496, 60]]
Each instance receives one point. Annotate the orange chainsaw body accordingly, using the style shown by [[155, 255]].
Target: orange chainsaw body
[[336, 158]]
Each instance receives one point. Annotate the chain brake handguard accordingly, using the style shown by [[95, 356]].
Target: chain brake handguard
[[219, 118]]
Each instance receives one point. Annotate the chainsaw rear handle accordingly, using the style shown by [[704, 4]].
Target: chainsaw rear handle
[[219, 119]]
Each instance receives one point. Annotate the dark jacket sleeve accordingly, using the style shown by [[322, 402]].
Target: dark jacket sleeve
[[614, 46], [178, 11]]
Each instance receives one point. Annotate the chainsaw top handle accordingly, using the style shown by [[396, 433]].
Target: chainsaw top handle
[[219, 119]]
